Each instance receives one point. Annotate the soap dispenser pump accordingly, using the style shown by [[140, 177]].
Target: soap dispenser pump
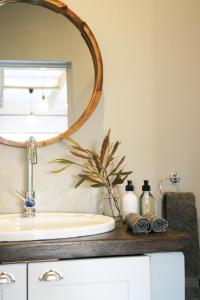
[[147, 202], [130, 202]]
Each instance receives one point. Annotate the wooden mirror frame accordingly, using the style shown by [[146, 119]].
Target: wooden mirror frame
[[60, 7]]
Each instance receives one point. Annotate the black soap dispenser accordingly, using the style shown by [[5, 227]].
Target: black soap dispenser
[[147, 202]]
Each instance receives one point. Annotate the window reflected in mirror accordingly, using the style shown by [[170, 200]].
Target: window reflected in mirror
[[34, 96]]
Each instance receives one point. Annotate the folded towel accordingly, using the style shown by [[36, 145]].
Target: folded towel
[[157, 224], [180, 211], [137, 223]]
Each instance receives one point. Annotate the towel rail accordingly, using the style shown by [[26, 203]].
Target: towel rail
[[173, 177]]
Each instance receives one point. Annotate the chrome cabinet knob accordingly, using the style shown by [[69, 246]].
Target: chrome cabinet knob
[[6, 278], [51, 275]]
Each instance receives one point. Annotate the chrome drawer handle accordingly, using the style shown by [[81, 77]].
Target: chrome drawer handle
[[6, 278], [51, 275]]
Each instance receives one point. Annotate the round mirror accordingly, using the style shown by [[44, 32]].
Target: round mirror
[[51, 72]]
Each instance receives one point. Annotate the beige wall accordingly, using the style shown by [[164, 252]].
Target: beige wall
[[151, 100]]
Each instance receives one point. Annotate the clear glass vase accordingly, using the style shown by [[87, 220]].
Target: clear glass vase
[[111, 203]]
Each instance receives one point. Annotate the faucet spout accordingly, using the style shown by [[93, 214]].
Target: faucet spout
[[32, 150]]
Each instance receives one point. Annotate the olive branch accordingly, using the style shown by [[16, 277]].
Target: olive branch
[[101, 169]]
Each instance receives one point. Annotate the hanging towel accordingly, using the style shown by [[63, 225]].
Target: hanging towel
[[137, 223], [180, 211], [157, 224]]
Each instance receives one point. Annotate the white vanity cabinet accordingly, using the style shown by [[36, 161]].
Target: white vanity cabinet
[[118, 278], [156, 276], [13, 283]]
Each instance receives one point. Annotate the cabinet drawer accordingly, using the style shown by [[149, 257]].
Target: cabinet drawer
[[13, 282], [118, 278]]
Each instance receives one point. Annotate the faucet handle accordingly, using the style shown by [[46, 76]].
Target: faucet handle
[[29, 203], [20, 196], [29, 199]]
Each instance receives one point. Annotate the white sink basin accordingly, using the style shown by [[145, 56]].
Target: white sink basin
[[15, 227]]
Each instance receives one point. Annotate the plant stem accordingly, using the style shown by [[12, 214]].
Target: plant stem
[[115, 201], [109, 199], [111, 195]]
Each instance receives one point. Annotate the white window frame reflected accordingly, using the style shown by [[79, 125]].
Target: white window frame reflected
[[43, 135]]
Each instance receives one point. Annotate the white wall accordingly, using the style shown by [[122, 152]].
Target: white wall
[[150, 101]]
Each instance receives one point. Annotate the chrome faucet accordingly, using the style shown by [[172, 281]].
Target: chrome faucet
[[29, 202], [29, 199]]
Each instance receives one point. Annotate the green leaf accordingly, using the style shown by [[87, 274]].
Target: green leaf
[[88, 178], [97, 164], [118, 180], [97, 177], [79, 149], [62, 161], [117, 166], [58, 171], [90, 163], [77, 146], [94, 175], [110, 157], [115, 147], [124, 178], [108, 162], [79, 183], [104, 147], [95, 153], [80, 155], [72, 141], [96, 185], [121, 173]]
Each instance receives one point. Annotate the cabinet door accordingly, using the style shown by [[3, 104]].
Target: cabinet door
[[13, 282], [121, 278], [167, 276]]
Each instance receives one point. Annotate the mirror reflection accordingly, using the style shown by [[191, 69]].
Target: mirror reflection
[[34, 98], [46, 73]]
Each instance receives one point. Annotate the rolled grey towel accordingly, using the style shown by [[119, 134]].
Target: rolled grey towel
[[157, 224], [137, 223]]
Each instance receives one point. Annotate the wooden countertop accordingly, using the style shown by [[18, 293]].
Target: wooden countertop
[[119, 242]]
